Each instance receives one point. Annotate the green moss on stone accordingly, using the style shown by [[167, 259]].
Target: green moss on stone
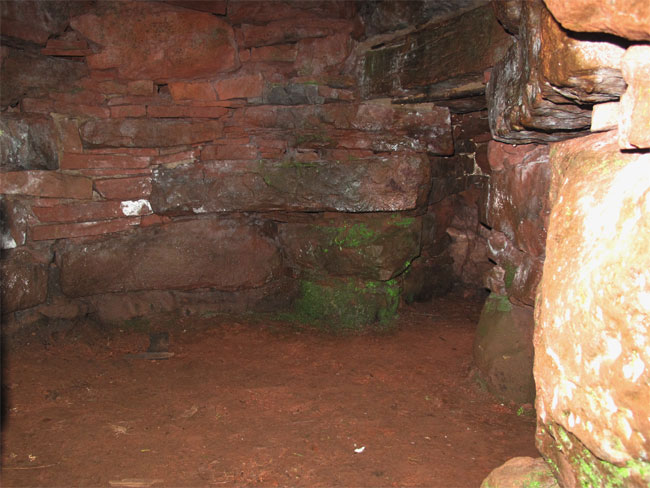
[[497, 303], [510, 275], [347, 305]]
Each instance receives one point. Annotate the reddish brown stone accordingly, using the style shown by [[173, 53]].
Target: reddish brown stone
[[81, 110], [625, 18], [183, 255], [68, 130], [181, 111], [45, 184], [24, 278], [147, 133], [177, 158], [65, 47], [213, 6], [124, 188], [82, 229], [248, 86], [285, 53], [521, 471], [593, 315], [149, 220], [37, 105], [634, 118], [192, 91], [140, 87], [122, 111], [122, 151], [149, 40], [33, 20], [284, 31], [317, 55], [229, 151], [518, 195], [79, 161], [396, 182], [27, 141], [17, 216], [85, 212]]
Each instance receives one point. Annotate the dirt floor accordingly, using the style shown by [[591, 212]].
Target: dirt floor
[[247, 403]]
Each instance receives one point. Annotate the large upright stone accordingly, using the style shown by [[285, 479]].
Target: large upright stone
[[23, 282], [226, 254], [634, 119], [592, 346], [152, 40]]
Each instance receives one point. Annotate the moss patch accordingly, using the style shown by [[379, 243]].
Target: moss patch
[[347, 305]]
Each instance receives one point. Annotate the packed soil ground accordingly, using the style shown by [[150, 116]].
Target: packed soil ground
[[257, 403]]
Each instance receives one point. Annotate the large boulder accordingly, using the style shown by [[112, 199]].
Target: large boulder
[[182, 255], [521, 472], [592, 353], [27, 142]]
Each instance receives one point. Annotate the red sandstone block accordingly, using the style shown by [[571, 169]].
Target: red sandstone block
[[192, 91], [68, 130], [149, 220], [37, 105], [249, 86], [45, 184], [122, 111], [177, 157], [103, 74], [133, 100], [244, 55], [285, 53], [85, 110], [80, 212], [66, 47], [81, 97], [112, 172], [229, 151], [80, 161], [82, 229], [124, 188], [132, 151], [176, 111], [140, 87]]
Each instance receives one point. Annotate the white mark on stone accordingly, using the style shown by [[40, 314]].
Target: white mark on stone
[[625, 427], [555, 398], [199, 210], [135, 207], [613, 348], [590, 426], [634, 368], [8, 242], [572, 420]]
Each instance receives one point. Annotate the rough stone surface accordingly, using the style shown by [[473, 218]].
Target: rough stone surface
[[530, 99], [591, 339], [521, 472], [517, 199], [624, 18], [35, 21], [503, 349], [184, 255], [45, 184], [27, 142], [149, 40], [24, 279], [398, 182], [25, 70], [375, 247], [147, 133], [634, 115], [434, 54]]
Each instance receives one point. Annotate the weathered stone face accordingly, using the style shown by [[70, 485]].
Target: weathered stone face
[[375, 247], [634, 117], [149, 40], [591, 339], [434, 53], [226, 254], [398, 182], [503, 349], [537, 92], [27, 142], [521, 472], [24, 279], [624, 18]]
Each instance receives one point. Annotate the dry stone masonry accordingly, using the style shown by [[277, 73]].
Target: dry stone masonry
[[326, 161]]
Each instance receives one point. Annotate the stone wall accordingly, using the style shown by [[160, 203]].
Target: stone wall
[[231, 156]]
